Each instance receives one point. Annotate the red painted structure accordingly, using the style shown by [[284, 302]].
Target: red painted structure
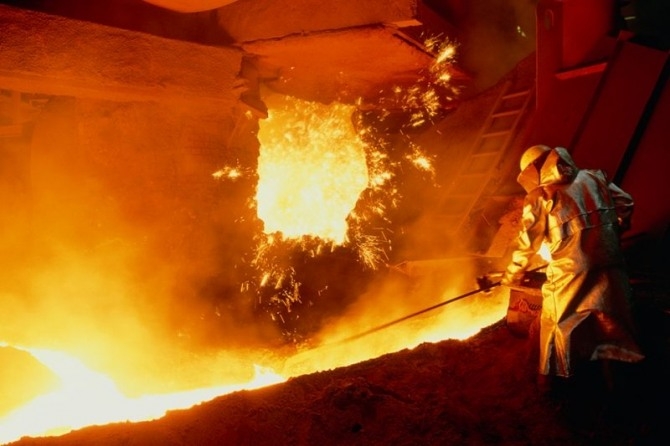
[[603, 95]]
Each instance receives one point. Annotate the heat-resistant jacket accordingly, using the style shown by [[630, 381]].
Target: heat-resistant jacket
[[579, 214]]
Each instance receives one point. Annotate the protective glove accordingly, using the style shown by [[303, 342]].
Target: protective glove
[[485, 282], [512, 280]]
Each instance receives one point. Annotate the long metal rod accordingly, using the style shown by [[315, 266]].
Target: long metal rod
[[425, 310], [409, 316]]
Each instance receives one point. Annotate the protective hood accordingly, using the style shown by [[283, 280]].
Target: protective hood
[[558, 167]]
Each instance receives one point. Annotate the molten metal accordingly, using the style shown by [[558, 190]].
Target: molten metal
[[86, 397], [311, 170]]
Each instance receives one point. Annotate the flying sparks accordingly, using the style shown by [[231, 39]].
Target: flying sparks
[[228, 173], [329, 179]]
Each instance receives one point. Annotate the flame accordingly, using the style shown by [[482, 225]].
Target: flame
[[311, 168], [86, 397], [327, 177], [341, 344]]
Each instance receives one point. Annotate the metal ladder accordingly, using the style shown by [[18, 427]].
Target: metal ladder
[[491, 143]]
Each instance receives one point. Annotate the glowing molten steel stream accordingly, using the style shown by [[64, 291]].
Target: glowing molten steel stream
[[86, 397], [311, 169]]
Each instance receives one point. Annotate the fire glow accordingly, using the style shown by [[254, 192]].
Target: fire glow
[[85, 397], [311, 169]]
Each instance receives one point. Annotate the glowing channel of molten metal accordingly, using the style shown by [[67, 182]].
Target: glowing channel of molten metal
[[86, 397]]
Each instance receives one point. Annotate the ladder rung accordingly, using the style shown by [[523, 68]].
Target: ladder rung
[[494, 134], [505, 113], [518, 94], [467, 188]]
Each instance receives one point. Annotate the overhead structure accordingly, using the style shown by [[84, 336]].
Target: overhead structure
[[46, 54], [190, 5], [326, 51]]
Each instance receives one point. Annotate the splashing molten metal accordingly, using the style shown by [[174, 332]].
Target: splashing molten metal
[[313, 168]]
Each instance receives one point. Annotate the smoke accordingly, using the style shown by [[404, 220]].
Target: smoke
[[402, 308], [131, 254], [130, 249]]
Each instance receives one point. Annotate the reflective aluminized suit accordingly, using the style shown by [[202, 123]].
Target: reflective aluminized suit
[[585, 300]]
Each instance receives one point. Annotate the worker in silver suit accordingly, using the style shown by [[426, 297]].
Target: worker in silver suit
[[579, 215]]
